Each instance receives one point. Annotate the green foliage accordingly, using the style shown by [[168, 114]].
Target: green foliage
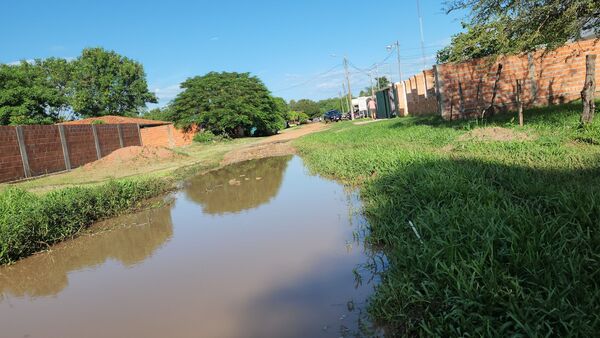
[[326, 105], [308, 107], [510, 236], [296, 117], [227, 103], [106, 83], [504, 27], [208, 137], [382, 83], [30, 223], [33, 93], [159, 114]]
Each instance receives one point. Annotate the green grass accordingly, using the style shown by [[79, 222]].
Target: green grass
[[510, 229], [30, 223]]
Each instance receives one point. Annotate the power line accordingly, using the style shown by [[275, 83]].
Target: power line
[[309, 80]]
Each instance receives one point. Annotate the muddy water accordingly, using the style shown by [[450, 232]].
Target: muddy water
[[257, 249]]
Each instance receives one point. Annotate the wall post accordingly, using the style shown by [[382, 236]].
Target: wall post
[[170, 134], [531, 70], [439, 92], [139, 134], [120, 131], [96, 142], [23, 150], [65, 147]]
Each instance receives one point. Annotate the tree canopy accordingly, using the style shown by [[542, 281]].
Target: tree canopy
[[235, 104], [32, 93], [106, 83], [307, 106], [382, 82], [503, 27]]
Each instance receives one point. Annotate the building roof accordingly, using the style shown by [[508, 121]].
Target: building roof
[[111, 119]]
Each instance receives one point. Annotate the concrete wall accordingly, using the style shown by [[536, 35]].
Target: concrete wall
[[548, 77], [28, 151]]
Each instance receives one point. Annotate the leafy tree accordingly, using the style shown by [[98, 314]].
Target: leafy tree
[[326, 105], [526, 24], [227, 103], [309, 107], [32, 93], [382, 83], [106, 83], [160, 114]]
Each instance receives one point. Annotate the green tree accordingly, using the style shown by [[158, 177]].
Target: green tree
[[504, 27], [309, 107], [227, 103], [32, 93], [160, 114], [106, 83], [382, 82]]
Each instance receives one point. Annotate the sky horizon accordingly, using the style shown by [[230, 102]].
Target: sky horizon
[[295, 48]]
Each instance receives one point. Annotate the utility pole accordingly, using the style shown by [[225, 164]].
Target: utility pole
[[421, 30], [372, 87], [401, 80], [341, 103], [345, 96], [377, 76], [349, 90]]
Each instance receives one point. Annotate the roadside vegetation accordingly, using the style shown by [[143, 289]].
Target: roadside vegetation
[[489, 228], [30, 223]]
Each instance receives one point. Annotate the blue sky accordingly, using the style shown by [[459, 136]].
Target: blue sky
[[288, 44]]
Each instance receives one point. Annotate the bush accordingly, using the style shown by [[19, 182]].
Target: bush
[[208, 137], [30, 223]]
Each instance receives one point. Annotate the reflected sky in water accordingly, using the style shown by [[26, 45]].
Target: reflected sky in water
[[258, 249]]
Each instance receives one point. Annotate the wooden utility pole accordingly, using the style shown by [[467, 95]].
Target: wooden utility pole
[[520, 102], [341, 103], [589, 88], [349, 90]]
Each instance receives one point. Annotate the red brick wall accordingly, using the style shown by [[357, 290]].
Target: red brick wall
[[420, 95], [44, 150], [82, 149], [167, 136], [131, 137], [108, 137], [548, 78], [11, 167]]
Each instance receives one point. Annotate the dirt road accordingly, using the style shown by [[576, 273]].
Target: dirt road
[[276, 145]]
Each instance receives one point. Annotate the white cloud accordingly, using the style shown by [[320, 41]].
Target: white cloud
[[18, 62], [167, 93]]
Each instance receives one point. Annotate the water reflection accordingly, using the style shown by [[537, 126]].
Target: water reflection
[[129, 239], [286, 266], [238, 187]]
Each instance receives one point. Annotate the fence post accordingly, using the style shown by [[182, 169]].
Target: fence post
[[531, 69], [170, 134], [439, 93], [405, 98], [461, 101], [65, 147], [425, 83], [23, 150], [120, 131], [519, 103], [589, 88], [139, 134], [96, 142]]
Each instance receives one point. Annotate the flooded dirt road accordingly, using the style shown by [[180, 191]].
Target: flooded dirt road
[[256, 249]]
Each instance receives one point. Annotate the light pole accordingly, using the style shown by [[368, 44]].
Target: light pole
[[397, 45]]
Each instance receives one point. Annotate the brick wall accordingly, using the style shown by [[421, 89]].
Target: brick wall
[[548, 77], [11, 166], [44, 149], [420, 95], [167, 136]]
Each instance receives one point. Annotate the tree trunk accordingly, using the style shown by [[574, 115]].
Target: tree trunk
[[520, 102], [589, 88], [491, 109]]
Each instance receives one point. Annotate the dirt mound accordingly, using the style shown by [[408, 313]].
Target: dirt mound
[[495, 134], [133, 156]]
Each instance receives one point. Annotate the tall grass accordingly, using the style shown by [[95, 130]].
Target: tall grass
[[510, 230], [29, 222]]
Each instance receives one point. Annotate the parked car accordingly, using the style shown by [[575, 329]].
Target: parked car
[[332, 116]]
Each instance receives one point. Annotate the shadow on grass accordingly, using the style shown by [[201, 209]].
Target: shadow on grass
[[504, 250]]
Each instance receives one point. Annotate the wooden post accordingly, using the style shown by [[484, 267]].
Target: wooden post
[[96, 142], [520, 102], [23, 150], [65, 147], [139, 134], [491, 108], [589, 88]]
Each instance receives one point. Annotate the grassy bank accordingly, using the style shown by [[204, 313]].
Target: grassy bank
[[508, 219], [30, 223]]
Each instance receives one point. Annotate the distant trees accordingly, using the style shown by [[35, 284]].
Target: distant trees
[[307, 106], [382, 82], [526, 24], [97, 83], [235, 104]]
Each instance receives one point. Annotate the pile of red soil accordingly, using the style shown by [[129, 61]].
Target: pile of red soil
[[133, 156]]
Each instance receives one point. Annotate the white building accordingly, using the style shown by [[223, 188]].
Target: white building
[[361, 105]]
